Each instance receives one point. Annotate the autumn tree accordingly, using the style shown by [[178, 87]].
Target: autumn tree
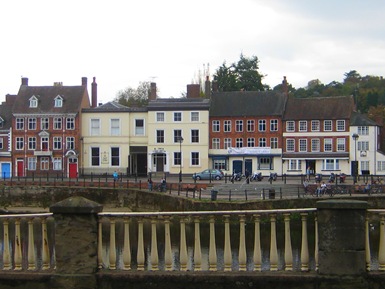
[[134, 97]]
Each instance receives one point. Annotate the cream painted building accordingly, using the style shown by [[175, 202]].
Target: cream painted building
[[114, 139], [178, 136]]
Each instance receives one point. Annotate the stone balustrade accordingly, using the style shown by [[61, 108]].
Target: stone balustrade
[[149, 259], [25, 251], [79, 240]]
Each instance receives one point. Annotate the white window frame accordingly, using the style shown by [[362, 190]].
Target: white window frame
[[328, 125], [290, 145], [328, 144], [32, 161], [194, 116], [115, 130], [250, 125], [302, 145], [341, 144], [227, 126], [273, 142], [302, 125], [33, 102], [177, 116], [95, 126], [315, 145], [216, 143], [216, 125], [227, 143], [239, 125], [340, 125], [290, 126], [57, 163], [58, 101], [160, 116], [315, 125]]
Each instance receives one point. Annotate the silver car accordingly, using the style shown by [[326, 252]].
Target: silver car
[[214, 174]]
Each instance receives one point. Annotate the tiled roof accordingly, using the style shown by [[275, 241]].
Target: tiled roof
[[72, 99], [247, 103], [339, 107], [359, 119], [179, 104], [6, 113]]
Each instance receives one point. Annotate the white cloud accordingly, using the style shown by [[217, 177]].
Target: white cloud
[[122, 43]]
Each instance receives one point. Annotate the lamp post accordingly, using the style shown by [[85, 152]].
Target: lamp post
[[180, 140], [354, 168]]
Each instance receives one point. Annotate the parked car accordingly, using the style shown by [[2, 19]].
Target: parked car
[[207, 174]]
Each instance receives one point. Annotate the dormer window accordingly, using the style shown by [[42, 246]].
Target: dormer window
[[33, 101], [58, 101]]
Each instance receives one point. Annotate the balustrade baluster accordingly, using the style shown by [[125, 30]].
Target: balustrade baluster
[[316, 242], [183, 246], [197, 245], [140, 255], [381, 251], [6, 253], [304, 246], [100, 245], [126, 245], [18, 254], [288, 248], [227, 247], [212, 247], [167, 249], [242, 259], [257, 257], [31, 246], [367, 245], [112, 256], [45, 247], [273, 243], [154, 246]]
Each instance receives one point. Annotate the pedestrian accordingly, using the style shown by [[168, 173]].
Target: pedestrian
[[247, 174], [149, 181], [163, 185], [115, 176], [308, 174]]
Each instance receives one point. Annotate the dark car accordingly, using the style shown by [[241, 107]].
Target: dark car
[[207, 174]]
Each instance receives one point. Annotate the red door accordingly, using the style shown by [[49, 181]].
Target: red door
[[73, 170], [20, 168]]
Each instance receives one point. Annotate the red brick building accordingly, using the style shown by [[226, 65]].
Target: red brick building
[[46, 128], [246, 131], [316, 135]]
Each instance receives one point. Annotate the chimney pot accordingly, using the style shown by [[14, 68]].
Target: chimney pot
[[84, 81]]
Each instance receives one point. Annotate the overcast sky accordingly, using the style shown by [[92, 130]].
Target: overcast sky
[[122, 42]]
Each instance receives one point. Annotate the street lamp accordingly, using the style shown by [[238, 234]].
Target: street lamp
[[180, 140], [354, 167]]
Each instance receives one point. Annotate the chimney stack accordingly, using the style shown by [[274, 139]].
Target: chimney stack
[[285, 88], [193, 90], [84, 81], [94, 93], [152, 95], [24, 81], [208, 87]]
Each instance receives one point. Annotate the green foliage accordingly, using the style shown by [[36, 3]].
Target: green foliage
[[242, 75], [134, 97]]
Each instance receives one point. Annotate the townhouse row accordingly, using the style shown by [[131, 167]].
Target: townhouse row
[[58, 130]]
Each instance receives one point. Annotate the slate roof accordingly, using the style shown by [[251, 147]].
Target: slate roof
[[72, 99], [359, 119], [113, 106], [168, 104], [339, 107], [247, 103], [6, 113]]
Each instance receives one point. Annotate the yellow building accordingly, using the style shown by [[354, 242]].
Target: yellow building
[[114, 139], [178, 135]]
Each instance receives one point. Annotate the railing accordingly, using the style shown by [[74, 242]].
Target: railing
[[180, 257], [27, 242]]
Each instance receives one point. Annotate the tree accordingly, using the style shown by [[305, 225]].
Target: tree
[[134, 97], [242, 75]]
